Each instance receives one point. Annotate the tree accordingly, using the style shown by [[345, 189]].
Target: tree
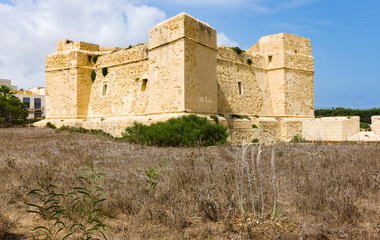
[[6, 91], [12, 110]]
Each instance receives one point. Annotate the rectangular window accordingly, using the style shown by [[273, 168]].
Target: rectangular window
[[37, 114], [104, 90], [240, 88], [270, 59], [37, 103], [143, 85], [26, 101]]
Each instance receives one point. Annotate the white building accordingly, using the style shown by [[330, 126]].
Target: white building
[[34, 99]]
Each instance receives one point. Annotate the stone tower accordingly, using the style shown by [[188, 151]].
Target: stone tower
[[182, 63]]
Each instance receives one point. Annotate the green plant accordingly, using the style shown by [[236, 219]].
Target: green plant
[[237, 50], [12, 110], [215, 118], [84, 130], [137, 79], [48, 208], [50, 125], [254, 126], [79, 209], [151, 176], [255, 140], [298, 139], [105, 71], [236, 116], [93, 76], [95, 58], [190, 130], [85, 201], [249, 61], [365, 125], [129, 47]]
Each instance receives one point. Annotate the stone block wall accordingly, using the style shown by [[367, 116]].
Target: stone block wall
[[331, 128], [375, 120]]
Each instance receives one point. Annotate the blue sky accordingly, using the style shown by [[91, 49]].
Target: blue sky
[[345, 35]]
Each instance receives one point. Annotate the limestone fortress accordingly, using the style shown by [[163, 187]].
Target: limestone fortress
[[181, 71]]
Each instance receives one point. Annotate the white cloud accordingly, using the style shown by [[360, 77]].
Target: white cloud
[[225, 41], [30, 28]]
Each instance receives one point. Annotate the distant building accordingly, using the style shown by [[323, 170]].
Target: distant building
[[34, 99], [7, 82]]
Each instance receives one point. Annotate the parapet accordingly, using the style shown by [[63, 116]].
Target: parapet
[[181, 26], [66, 45]]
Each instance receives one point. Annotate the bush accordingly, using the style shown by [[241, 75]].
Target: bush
[[12, 110], [249, 61], [365, 115], [84, 130], [95, 58], [50, 125], [298, 139], [237, 50], [93, 76], [188, 131], [236, 116], [254, 126], [105, 71], [365, 125], [215, 118]]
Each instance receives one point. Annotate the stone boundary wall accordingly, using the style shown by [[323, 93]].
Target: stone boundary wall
[[375, 120], [331, 128]]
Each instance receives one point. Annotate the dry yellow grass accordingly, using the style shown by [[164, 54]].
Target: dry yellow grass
[[326, 191]]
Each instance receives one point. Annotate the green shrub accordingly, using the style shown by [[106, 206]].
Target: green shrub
[[249, 61], [151, 176], [215, 118], [255, 140], [93, 76], [236, 116], [254, 126], [298, 139], [365, 125], [84, 130], [95, 58], [50, 125], [129, 47], [79, 209], [12, 110], [105, 71], [365, 115], [237, 50], [188, 131]]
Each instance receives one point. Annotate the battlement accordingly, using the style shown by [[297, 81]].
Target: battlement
[[67, 45]]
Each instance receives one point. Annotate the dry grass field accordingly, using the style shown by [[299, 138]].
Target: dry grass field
[[324, 190]]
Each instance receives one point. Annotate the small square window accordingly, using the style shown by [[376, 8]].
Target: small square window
[[105, 86]]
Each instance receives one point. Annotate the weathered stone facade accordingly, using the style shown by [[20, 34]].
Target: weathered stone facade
[[182, 70]]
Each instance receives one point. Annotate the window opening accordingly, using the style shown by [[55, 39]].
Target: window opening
[[270, 58], [239, 86], [26, 101], [37, 103], [104, 90], [143, 85]]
